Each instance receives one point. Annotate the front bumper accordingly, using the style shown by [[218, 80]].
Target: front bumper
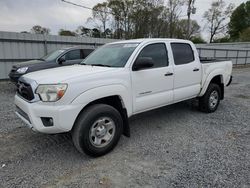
[[31, 113]]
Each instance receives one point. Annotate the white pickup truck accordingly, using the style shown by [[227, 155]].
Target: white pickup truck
[[94, 100]]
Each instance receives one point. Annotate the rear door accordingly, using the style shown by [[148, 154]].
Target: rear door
[[187, 72], [153, 87]]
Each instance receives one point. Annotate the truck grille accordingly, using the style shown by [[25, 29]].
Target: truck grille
[[25, 90]]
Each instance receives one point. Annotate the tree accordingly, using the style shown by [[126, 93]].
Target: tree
[[197, 40], [37, 29], [108, 33], [121, 13], [245, 35], [83, 31], [139, 18], [174, 9], [239, 20], [222, 39], [216, 18], [63, 32], [101, 13], [182, 32], [146, 19], [96, 33]]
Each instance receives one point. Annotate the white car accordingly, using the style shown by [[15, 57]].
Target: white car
[[94, 100]]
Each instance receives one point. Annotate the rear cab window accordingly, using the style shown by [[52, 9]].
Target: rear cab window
[[183, 53]]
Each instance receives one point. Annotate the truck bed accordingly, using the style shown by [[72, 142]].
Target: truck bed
[[210, 60]]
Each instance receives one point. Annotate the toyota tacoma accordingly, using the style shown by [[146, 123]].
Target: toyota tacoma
[[95, 99]]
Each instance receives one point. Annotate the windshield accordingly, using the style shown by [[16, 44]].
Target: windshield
[[111, 55], [52, 55]]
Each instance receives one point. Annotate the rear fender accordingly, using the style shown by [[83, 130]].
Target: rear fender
[[217, 72]]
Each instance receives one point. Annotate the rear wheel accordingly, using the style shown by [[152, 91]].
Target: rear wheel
[[210, 101], [97, 130]]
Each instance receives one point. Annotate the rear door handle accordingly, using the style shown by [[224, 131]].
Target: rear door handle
[[196, 69], [169, 74]]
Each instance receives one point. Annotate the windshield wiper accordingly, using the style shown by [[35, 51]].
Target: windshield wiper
[[101, 65]]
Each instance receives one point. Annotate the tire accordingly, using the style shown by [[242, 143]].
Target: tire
[[210, 101], [97, 130]]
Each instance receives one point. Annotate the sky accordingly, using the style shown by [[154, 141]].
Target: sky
[[21, 15]]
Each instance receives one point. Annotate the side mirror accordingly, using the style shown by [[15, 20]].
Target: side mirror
[[143, 63], [61, 60]]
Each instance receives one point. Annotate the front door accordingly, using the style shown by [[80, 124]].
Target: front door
[[153, 87], [73, 57]]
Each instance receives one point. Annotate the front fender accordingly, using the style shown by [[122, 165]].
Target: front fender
[[105, 91]]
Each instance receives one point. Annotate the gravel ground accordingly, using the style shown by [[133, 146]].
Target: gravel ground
[[175, 146]]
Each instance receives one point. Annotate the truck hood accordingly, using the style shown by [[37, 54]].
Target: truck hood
[[62, 74]]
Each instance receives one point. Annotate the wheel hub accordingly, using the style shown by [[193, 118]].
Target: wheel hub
[[102, 132], [213, 99]]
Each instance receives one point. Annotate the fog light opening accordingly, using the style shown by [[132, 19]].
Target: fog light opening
[[47, 121]]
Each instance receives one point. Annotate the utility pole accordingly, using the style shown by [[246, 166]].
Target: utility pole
[[190, 10]]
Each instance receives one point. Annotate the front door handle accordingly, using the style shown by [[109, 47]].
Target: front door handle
[[169, 74], [196, 69]]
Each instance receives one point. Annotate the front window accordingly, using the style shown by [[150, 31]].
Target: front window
[[111, 55], [157, 52], [52, 55], [73, 55]]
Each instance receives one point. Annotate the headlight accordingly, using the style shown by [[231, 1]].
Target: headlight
[[51, 93], [22, 70]]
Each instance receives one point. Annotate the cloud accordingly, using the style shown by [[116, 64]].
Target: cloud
[[21, 15]]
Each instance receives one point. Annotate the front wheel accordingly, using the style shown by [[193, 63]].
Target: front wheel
[[97, 130], [210, 101]]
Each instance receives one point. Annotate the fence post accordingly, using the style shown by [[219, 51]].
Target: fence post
[[246, 57], [227, 54], [237, 57], [45, 45]]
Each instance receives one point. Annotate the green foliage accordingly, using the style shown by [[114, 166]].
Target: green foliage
[[245, 35], [63, 32], [198, 40], [37, 29], [222, 39], [239, 20], [182, 27], [142, 18], [96, 33], [83, 31]]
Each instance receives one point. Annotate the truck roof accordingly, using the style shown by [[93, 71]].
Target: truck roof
[[77, 47], [145, 40]]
